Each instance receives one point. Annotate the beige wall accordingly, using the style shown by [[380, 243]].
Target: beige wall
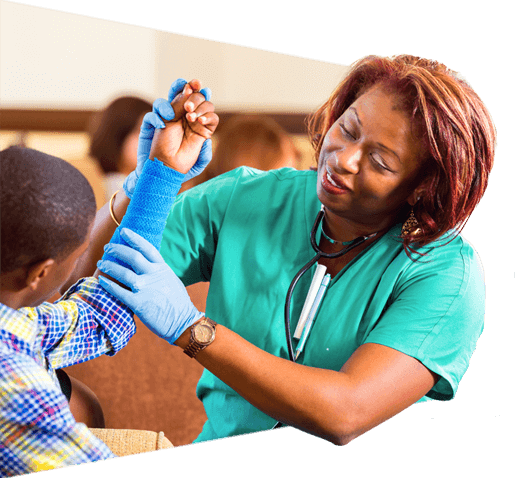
[[51, 59], [61, 60]]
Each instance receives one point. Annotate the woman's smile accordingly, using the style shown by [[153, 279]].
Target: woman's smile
[[332, 183]]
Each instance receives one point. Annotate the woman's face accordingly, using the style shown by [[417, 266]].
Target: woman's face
[[369, 162]]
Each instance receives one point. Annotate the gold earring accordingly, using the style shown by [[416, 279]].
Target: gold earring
[[410, 226]]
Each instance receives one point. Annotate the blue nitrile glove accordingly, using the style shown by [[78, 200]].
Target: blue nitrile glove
[[157, 295], [162, 109], [204, 157], [206, 152]]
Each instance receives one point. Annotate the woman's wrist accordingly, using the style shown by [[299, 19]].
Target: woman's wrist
[[184, 339]]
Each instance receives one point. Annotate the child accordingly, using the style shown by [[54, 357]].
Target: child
[[47, 211]]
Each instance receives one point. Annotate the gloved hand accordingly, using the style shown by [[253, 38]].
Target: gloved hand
[[162, 109], [157, 295], [205, 156]]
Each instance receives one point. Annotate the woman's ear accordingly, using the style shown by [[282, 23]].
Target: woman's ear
[[414, 197], [37, 272], [417, 193]]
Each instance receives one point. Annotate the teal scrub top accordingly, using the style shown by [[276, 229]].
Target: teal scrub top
[[247, 232]]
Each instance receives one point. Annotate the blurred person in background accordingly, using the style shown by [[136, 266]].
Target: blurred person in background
[[114, 139], [254, 140]]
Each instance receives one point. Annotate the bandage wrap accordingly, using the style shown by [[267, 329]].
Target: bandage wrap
[[150, 205]]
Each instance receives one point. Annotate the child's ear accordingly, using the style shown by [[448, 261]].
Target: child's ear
[[38, 271]]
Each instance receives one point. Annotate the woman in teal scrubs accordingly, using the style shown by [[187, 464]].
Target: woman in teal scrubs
[[403, 150]]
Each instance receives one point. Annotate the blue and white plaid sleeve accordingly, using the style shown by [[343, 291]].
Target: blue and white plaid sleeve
[[37, 429], [85, 323]]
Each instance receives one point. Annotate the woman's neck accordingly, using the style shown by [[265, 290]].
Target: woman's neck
[[341, 229]]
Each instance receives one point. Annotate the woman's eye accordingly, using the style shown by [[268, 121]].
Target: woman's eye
[[379, 161], [346, 132]]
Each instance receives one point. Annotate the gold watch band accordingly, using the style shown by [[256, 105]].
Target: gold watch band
[[193, 349]]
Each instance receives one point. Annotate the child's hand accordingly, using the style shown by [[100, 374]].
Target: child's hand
[[179, 144], [161, 110]]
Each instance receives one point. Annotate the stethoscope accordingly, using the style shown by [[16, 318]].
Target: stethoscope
[[319, 254]]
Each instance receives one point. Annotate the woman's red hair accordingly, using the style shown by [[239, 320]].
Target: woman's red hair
[[451, 121]]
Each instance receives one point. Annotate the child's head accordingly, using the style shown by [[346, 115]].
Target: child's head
[[47, 209]]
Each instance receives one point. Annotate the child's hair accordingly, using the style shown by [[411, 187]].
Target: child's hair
[[47, 207]]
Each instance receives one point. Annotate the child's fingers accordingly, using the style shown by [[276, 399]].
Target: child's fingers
[[181, 98], [202, 109], [205, 125], [191, 95], [209, 121], [194, 101], [195, 85]]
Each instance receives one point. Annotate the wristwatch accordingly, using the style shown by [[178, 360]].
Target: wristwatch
[[202, 334]]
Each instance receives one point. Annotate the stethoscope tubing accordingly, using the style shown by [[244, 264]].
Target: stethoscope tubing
[[318, 254], [288, 302]]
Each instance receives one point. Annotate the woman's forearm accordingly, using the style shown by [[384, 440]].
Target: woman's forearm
[[376, 383], [294, 394], [102, 230]]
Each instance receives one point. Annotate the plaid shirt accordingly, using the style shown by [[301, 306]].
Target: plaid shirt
[[37, 429]]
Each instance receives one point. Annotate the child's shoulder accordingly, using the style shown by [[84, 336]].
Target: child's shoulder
[[17, 331]]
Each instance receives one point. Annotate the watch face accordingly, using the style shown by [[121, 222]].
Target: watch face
[[203, 333]]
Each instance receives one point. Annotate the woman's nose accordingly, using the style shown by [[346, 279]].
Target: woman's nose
[[348, 160]]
